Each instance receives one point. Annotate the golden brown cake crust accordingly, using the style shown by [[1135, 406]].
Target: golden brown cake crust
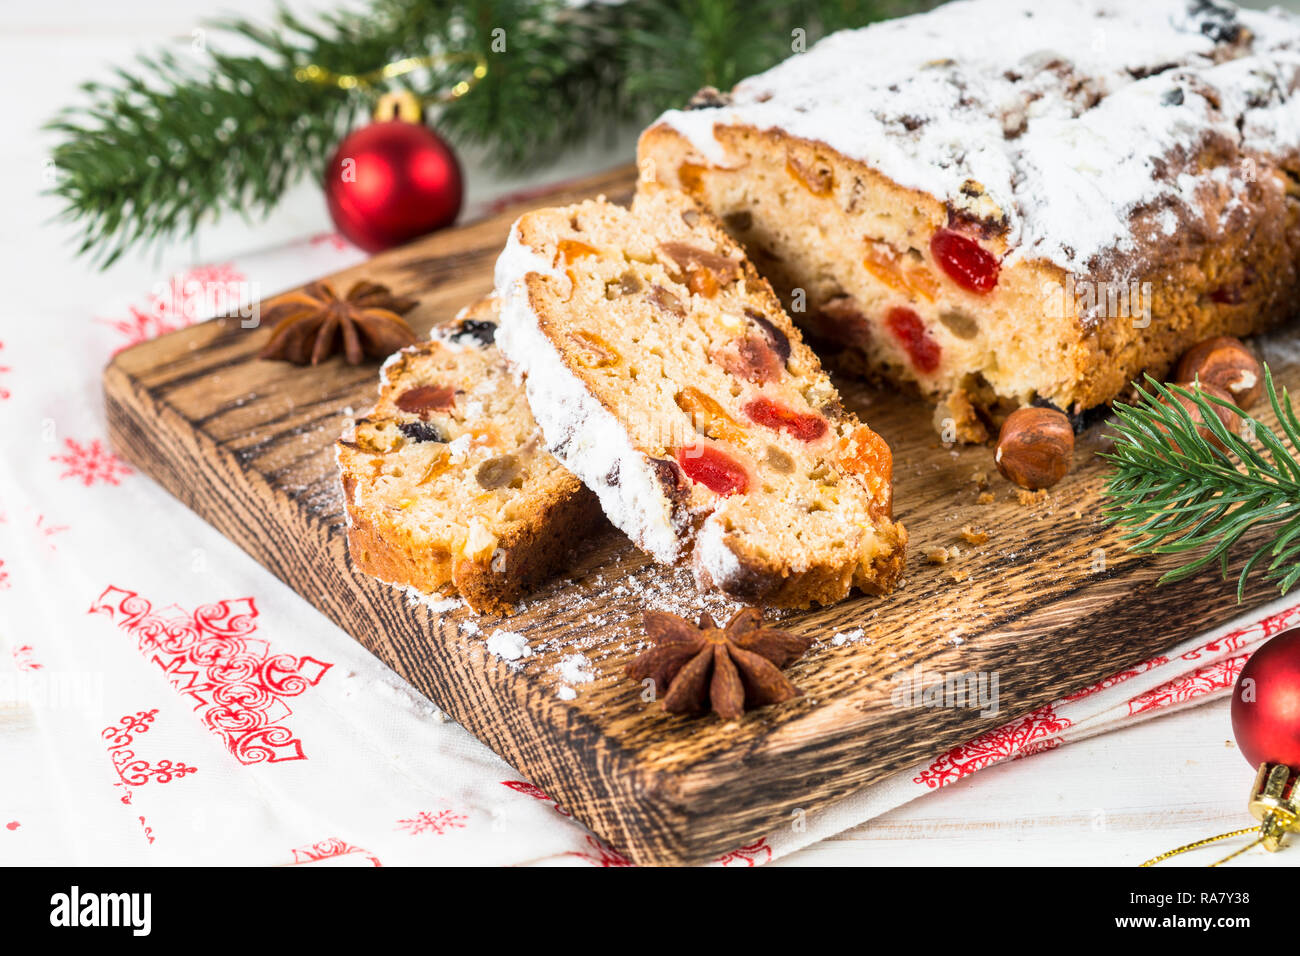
[[419, 513]]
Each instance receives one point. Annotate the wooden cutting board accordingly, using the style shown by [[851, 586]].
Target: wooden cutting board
[[1050, 603]]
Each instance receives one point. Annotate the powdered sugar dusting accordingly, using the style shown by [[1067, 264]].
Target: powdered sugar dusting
[[508, 645], [1058, 127]]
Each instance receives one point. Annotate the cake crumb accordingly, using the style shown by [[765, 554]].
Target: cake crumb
[[1028, 498], [980, 478], [958, 575], [973, 535], [986, 498], [942, 555]]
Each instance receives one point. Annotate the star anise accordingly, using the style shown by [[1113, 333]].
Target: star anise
[[698, 668], [310, 323]]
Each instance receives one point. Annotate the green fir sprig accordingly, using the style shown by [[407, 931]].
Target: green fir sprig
[[1177, 492], [179, 138]]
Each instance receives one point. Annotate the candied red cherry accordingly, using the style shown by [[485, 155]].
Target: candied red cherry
[[714, 469], [766, 412], [965, 262], [912, 335]]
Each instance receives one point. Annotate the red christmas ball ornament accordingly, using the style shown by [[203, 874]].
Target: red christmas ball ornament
[[1266, 703], [393, 180]]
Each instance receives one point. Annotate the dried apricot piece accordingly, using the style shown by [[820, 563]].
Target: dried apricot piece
[[707, 416], [593, 351]]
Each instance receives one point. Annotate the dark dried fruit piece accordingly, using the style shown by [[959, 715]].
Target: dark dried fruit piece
[[671, 479], [966, 263], [424, 399], [727, 670], [802, 426], [714, 469], [911, 333], [628, 283], [422, 431], [661, 298], [475, 330], [741, 220], [497, 472], [779, 341]]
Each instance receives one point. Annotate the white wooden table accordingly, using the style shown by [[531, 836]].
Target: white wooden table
[[1111, 800]]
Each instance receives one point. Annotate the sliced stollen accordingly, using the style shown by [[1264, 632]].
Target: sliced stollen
[[666, 376], [446, 480]]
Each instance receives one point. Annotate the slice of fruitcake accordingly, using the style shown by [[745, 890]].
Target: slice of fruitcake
[[1008, 202], [666, 376], [446, 482]]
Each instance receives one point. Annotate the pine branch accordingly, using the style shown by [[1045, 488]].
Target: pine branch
[[1176, 492], [175, 141]]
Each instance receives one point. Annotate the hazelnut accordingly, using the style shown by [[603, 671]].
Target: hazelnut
[[1035, 447], [1227, 363], [1231, 420]]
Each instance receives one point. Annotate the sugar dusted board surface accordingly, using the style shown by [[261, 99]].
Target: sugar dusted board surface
[[1051, 602]]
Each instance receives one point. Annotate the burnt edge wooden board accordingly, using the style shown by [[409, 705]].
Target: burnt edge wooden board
[[247, 444]]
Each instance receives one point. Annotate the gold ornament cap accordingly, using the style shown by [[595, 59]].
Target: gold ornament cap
[[400, 105], [1275, 803]]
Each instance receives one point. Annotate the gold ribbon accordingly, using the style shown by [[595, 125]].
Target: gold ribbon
[[311, 73]]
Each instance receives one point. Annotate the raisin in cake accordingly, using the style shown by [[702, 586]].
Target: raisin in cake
[[1006, 202], [446, 482], [665, 374]]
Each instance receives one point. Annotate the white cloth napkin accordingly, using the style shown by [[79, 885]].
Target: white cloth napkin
[[163, 699]]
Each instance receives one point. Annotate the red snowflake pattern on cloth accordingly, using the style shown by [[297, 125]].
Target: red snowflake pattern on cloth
[[331, 239], [602, 854], [1220, 675], [131, 771], [4, 578], [24, 656], [536, 792], [148, 830], [91, 463], [1009, 740], [183, 300], [428, 821], [12, 825], [4, 370], [1115, 679], [1255, 631], [329, 849], [236, 684], [751, 855]]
